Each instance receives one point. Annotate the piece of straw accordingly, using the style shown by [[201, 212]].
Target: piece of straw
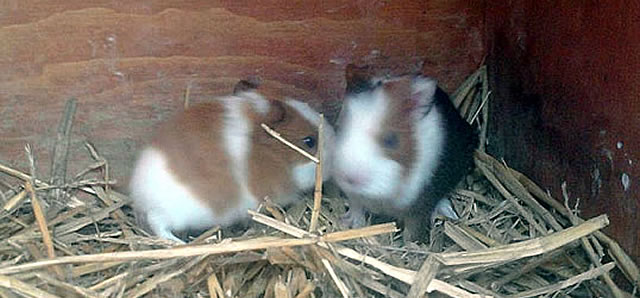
[[21, 287], [317, 193], [526, 248], [276, 135], [590, 274]]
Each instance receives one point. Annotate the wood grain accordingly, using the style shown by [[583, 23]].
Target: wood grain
[[566, 87], [129, 62]]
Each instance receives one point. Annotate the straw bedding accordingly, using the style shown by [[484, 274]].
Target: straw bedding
[[80, 239]]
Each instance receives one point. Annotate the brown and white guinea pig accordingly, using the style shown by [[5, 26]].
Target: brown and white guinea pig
[[212, 162], [401, 147]]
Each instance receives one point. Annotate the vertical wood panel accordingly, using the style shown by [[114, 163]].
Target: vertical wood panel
[[566, 77]]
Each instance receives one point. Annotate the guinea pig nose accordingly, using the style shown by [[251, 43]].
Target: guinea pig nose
[[355, 179]]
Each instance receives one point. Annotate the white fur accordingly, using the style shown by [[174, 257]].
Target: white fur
[[304, 175], [168, 204], [236, 133], [358, 153], [305, 110], [425, 85], [259, 103]]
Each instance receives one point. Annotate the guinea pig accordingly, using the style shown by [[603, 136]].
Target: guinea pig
[[401, 147], [212, 162]]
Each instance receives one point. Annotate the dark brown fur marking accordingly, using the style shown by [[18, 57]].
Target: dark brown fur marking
[[399, 120], [270, 161]]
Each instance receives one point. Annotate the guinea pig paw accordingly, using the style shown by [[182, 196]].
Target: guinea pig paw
[[415, 230], [353, 219], [410, 235], [443, 209], [168, 235], [160, 229]]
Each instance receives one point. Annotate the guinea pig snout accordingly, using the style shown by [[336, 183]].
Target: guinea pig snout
[[353, 179]]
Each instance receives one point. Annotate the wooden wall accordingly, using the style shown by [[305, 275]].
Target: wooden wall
[[566, 106], [129, 62], [565, 76]]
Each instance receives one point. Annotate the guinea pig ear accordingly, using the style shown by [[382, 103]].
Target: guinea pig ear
[[358, 78], [423, 91], [250, 84], [277, 113]]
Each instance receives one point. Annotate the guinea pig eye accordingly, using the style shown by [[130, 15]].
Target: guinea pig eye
[[390, 140], [309, 141]]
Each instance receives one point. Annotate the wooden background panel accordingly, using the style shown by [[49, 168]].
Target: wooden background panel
[[566, 79], [129, 62]]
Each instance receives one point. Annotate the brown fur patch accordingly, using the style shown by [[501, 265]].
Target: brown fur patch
[[270, 161], [192, 143], [399, 120]]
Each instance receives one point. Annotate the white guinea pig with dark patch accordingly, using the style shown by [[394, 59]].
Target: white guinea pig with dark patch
[[212, 162], [401, 148]]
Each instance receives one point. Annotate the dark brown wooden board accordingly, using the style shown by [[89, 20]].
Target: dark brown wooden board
[[566, 80]]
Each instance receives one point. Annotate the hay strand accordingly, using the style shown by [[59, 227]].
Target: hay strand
[[317, 192], [527, 248], [276, 135], [512, 240], [23, 288]]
